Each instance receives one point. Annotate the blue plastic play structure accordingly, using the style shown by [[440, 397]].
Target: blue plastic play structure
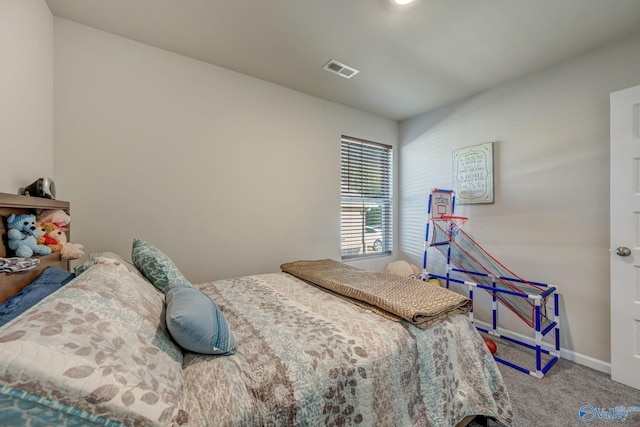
[[470, 265]]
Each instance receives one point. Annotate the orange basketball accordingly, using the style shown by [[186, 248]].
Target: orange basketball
[[491, 345]]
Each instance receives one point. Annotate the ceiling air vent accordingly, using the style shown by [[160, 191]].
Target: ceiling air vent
[[340, 69]]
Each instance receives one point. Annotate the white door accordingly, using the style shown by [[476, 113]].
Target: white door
[[625, 236]]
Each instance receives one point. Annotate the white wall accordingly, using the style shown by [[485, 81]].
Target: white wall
[[227, 174], [26, 88], [550, 219]]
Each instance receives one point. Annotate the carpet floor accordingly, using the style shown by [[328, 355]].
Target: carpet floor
[[568, 388]]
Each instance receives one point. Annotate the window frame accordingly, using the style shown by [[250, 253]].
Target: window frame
[[366, 198]]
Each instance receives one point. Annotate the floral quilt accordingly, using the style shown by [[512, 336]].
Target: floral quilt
[[97, 352], [307, 358]]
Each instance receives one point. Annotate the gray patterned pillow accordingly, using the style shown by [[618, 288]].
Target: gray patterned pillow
[[155, 265]]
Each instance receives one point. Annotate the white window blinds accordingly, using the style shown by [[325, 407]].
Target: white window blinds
[[367, 199]]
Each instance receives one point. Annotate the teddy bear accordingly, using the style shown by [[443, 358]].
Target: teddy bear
[[402, 268], [22, 234], [69, 250], [61, 219], [45, 239]]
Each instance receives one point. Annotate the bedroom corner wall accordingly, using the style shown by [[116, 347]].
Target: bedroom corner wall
[[26, 85], [227, 174], [550, 219]]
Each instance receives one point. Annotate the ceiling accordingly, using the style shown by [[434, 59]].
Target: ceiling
[[411, 59]]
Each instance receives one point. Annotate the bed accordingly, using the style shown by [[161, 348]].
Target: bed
[[101, 350]]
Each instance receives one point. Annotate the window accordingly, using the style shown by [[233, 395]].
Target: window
[[367, 200]]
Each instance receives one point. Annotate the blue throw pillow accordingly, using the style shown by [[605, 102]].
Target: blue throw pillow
[[195, 321], [155, 265]]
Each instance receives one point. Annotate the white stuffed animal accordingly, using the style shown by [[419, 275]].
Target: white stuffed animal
[[69, 250], [401, 268]]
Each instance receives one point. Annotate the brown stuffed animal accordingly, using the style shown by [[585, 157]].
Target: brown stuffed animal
[[61, 220], [46, 239]]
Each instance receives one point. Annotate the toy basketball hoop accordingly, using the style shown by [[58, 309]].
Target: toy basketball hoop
[[455, 220], [450, 224], [476, 269]]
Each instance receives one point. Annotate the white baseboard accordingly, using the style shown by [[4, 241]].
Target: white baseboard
[[570, 355]]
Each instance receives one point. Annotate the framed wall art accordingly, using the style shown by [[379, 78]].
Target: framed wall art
[[473, 174]]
